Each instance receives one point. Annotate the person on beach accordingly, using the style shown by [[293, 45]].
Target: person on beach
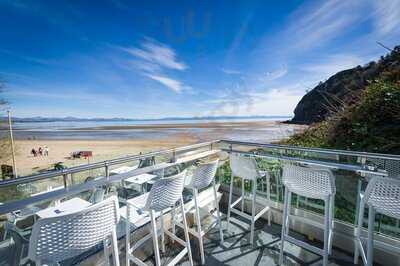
[[46, 151], [33, 151], [40, 151]]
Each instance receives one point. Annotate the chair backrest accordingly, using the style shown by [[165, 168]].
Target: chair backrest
[[392, 167], [243, 166], [58, 238], [165, 192], [383, 193], [309, 182], [204, 174]]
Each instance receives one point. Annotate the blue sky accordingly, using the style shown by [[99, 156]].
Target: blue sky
[[120, 58]]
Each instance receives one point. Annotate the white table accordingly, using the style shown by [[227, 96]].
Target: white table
[[65, 207], [139, 180]]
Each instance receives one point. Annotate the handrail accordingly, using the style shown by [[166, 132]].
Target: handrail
[[75, 189], [341, 166], [107, 163], [96, 165], [319, 150]]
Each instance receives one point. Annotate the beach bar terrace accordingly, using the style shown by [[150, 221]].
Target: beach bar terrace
[[243, 203]]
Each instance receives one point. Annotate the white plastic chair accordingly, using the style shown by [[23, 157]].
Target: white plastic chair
[[62, 237], [382, 196], [201, 178], [163, 196], [314, 183], [392, 168], [246, 169]]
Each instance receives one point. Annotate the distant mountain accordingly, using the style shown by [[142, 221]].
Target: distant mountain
[[344, 89], [76, 119]]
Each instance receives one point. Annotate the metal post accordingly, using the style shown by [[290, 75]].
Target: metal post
[[107, 170], [65, 178], [12, 145]]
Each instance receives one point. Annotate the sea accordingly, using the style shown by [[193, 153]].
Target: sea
[[86, 130]]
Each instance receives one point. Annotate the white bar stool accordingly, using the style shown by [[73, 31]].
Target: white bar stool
[[163, 196], [315, 184], [62, 237], [202, 177], [246, 169], [383, 196], [391, 167]]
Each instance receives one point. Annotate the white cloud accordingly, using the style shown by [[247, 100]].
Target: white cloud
[[277, 101], [172, 84], [313, 26], [152, 58], [274, 75], [332, 64], [157, 54], [230, 71], [387, 16]]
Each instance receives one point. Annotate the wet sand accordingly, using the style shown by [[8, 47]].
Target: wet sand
[[104, 149], [208, 125]]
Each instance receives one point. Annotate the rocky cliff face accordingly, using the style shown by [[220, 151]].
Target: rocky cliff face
[[344, 88]]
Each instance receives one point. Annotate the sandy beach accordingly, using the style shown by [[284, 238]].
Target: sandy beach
[[60, 150], [104, 149]]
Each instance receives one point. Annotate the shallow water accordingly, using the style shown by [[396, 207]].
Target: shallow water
[[73, 131]]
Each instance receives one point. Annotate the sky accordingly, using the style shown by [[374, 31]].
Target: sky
[[153, 59]]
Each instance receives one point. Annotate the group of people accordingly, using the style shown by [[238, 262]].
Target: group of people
[[40, 151]]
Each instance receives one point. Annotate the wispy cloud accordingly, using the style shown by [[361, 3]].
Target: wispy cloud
[[312, 26], [29, 58], [77, 96], [387, 16], [276, 101], [152, 58], [330, 65], [157, 54], [274, 75], [231, 71], [172, 84]]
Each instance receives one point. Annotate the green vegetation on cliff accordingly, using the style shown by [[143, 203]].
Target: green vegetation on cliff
[[369, 120], [372, 124]]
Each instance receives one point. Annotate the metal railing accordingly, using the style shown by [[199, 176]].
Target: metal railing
[[7, 207], [349, 165]]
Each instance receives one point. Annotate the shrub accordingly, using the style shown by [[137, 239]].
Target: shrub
[[372, 124]]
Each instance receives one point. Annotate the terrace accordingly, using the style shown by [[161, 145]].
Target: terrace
[[24, 200]]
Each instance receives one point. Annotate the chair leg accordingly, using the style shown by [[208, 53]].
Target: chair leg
[[358, 202], [288, 208], [326, 231], [253, 211], [370, 243], [155, 237], [358, 231], [221, 234], [228, 217], [269, 199], [198, 222], [106, 253], [331, 222], [162, 232], [284, 218], [127, 236], [173, 222], [186, 231], [114, 244], [242, 202]]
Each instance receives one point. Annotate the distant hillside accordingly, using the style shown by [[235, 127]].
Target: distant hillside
[[365, 115], [76, 119], [344, 89]]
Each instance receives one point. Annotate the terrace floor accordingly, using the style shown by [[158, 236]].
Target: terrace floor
[[236, 249]]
